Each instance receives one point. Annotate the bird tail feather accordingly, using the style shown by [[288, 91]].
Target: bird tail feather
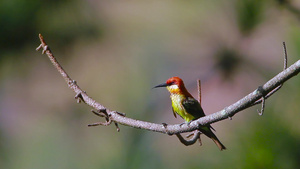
[[218, 143], [207, 131]]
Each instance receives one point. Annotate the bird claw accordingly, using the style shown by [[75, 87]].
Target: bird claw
[[188, 123], [121, 114], [182, 124], [165, 125]]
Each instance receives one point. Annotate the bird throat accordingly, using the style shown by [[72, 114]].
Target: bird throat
[[173, 89]]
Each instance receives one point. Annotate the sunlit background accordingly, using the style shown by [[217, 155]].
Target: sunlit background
[[117, 51]]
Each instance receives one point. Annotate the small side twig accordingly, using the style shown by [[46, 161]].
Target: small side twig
[[191, 141], [285, 56], [261, 112], [199, 90], [265, 96], [117, 126], [285, 59], [101, 113]]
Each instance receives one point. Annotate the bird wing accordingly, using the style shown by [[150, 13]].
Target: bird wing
[[193, 107]]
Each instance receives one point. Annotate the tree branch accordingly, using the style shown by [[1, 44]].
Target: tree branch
[[113, 116]]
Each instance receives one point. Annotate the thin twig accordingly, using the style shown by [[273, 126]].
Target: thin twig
[[199, 90], [229, 111], [285, 56], [262, 100], [191, 141], [101, 113], [261, 112], [117, 126]]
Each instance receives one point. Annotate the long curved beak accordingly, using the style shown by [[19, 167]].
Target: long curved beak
[[161, 85]]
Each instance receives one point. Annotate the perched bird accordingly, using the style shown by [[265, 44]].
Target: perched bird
[[187, 107]]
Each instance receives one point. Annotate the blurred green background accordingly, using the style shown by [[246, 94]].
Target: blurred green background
[[117, 51]]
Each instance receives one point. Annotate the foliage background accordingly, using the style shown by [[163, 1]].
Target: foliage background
[[117, 51]]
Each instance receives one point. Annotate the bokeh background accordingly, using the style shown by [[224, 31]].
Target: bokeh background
[[117, 51]]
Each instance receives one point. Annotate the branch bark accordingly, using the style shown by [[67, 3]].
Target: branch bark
[[251, 99]]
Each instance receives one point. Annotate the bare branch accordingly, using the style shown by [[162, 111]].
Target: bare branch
[[116, 117]]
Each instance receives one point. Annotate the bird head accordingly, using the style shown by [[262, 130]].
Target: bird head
[[174, 85]]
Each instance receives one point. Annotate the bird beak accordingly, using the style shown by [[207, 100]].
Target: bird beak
[[161, 85]]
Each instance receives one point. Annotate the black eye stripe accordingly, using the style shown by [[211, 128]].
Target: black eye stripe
[[172, 83]]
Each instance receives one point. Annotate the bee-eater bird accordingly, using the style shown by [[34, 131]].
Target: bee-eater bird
[[187, 107]]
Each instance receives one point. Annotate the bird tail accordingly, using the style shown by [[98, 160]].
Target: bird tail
[[218, 142], [207, 131]]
